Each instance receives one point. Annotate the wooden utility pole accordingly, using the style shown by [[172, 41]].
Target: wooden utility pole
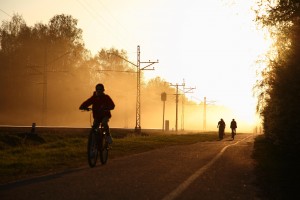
[[185, 90], [205, 103], [204, 114], [163, 98], [34, 69], [176, 120]]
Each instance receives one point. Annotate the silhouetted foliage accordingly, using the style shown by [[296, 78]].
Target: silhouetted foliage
[[29, 53], [280, 87], [54, 55]]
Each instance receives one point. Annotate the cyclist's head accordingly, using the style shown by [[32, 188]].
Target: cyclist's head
[[100, 87]]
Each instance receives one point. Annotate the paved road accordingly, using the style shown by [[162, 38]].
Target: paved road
[[205, 170]]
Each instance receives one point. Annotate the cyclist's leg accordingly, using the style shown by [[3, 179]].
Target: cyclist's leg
[[105, 125], [96, 124]]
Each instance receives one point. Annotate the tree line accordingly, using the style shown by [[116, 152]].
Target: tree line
[[47, 68], [279, 89]]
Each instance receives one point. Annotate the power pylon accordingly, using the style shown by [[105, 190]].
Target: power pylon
[[138, 87], [138, 95]]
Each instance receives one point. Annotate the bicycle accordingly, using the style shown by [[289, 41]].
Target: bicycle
[[233, 133], [97, 143]]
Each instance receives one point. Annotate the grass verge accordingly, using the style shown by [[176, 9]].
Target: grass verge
[[25, 155]]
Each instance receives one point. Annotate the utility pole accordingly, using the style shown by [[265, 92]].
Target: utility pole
[[204, 111], [176, 120], [185, 90], [138, 95], [45, 87], [204, 114], [163, 99], [44, 74], [138, 87]]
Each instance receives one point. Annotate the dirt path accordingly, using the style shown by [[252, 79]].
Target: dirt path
[[155, 174]]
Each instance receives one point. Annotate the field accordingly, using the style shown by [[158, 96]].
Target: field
[[51, 150]]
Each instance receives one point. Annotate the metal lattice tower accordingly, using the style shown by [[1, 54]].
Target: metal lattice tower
[[138, 86], [138, 93]]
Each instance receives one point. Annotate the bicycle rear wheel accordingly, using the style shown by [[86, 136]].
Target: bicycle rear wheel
[[103, 149], [92, 148]]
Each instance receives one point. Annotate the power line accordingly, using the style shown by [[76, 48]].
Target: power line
[[95, 15], [5, 13], [116, 20], [111, 70]]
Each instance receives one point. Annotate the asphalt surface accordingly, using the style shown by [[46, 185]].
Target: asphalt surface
[[205, 170]]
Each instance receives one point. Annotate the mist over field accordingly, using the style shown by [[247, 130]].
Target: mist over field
[[64, 100], [23, 101], [46, 73]]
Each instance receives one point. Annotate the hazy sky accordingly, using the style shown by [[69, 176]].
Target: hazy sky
[[211, 45]]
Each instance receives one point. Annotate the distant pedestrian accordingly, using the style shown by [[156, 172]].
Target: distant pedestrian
[[233, 126], [221, 126]]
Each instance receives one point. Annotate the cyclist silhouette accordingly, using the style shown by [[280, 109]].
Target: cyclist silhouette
[[102, 104], [233, 127], [221, 126]]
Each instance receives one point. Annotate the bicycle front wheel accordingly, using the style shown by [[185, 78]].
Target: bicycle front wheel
[[103, 149], [92, 148]]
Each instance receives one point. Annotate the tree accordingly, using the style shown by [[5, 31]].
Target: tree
[[28, 53], [280, 87], [11, 57]]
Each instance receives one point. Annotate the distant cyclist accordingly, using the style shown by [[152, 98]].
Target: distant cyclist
[[233, 127], [221, 126], [102, 104]]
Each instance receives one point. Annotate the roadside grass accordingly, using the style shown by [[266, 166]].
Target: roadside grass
[[136, 144], [25, 155], [277, 170]]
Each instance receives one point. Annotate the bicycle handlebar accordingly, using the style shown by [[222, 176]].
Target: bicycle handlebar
[[87, 109]]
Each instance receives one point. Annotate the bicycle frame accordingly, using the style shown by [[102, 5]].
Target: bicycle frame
[[97, 143]]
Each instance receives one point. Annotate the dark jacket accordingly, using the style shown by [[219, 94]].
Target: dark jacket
[[101, 105], [233, 124], [221, 124]]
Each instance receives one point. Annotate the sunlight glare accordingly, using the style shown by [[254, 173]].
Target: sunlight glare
[[219, 44]]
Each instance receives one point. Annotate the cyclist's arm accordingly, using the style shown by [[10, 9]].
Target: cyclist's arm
[[110, 105], [85, 105]]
